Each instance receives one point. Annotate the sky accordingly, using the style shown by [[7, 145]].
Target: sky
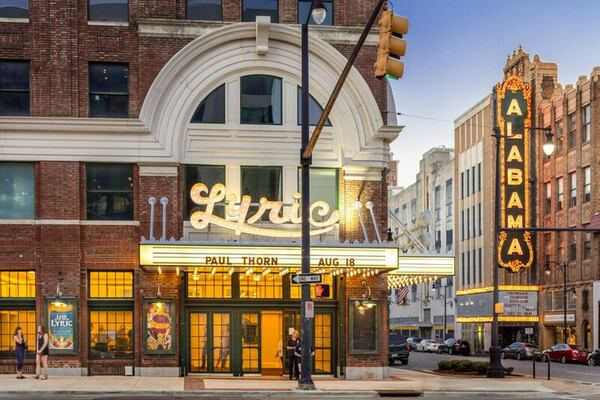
[[456, 50]]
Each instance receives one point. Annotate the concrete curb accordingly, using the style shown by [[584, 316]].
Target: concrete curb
[[494, 395]]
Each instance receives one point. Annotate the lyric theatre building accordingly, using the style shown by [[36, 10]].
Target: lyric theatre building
[[148, 191]]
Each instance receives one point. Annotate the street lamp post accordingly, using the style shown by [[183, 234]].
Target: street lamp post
[[496, 370], [547, 271], [445, 297], [318, 13]]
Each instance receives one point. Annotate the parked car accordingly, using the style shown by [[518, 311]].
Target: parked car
[[520, 350], [455, 346], [412, 343], [564, 352], [594, 358], [397, 349], [429, 345]]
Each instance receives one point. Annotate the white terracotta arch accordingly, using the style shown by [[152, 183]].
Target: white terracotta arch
[[225, 54]]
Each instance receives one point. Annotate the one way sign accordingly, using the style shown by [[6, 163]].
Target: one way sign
[[299, 279]]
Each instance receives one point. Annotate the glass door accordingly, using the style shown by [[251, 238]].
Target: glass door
[[210, 341], [250, 342], [323, 343]]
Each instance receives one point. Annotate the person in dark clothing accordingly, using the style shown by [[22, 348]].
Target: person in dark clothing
[[292, 343], [298, 354], [20, 347]]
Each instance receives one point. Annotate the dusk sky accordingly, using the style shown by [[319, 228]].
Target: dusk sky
[[456, 52]]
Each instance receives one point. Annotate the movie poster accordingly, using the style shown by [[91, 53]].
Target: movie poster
[[160, 325], [61, 317]]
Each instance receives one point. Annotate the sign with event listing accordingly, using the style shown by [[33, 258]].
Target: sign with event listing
[[513, 112], [160, 326], [61, 317]]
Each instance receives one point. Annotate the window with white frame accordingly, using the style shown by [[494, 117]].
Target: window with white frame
[[587, 184], [573, 189], [586, 118]]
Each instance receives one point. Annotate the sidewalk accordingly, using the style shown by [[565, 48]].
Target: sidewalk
[[401, 383]]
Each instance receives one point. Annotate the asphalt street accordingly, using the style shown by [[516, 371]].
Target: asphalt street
[[584, 373]]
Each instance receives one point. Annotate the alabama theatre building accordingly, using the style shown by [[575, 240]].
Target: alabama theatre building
[[149, 191]]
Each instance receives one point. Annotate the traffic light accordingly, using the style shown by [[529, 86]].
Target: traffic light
[[322, 290], [391, 46]]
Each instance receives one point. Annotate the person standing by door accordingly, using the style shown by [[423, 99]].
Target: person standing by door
[[291, 345], [20, 347]]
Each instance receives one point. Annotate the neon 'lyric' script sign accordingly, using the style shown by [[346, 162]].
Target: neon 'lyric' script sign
[[240, 222]]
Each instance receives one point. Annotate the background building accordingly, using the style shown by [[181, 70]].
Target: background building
[[423, 222], [107, 105]]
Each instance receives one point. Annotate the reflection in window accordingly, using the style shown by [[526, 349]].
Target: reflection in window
[[14, 88], [260, 182], [252, 8], [107, 10], [324, 187], [261, 100], [314, 110], [109, 90], [210, 175], [17, 196], [209, 285], [111, 284], [364, 327], [207, 10], [304, 8], [9, 321], [111, 334], [261, 285], [14, 9], [109, 191], [17, 284], [212, 109]]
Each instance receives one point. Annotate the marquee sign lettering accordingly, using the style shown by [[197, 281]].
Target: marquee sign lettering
[[240, 222], [513, 110]]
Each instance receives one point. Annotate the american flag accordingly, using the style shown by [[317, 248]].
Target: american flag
[[401, 294]]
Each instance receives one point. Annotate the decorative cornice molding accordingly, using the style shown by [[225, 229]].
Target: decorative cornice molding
[[77, 125]]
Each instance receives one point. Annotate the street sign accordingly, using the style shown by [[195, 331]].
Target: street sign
[[299, 279], [309, 310]]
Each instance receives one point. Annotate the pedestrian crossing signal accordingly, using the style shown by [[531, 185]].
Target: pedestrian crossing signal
[[322, 290]]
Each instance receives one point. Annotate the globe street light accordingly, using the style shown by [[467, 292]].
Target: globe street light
[[318, 13], [548, 145]]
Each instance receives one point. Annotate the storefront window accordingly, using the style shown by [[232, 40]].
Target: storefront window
[[111, 334], [9, 321], [210, 175], [209, 285], [364, 327], [17, 195], [17, 284], [323, 339], [257, 285], [111, 284], [109, 191], [261, 99]]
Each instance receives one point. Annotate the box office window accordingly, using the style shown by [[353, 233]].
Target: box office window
[[109, 192], [324, 187], [17, 284], [304, 9], [209, 285], [212, 108], [9, 321], [207, 10], [17, 195], [253, 8], [14, 87], [111, 284], [260, 285], [260, 182], [109, 90], [260, 99], [364, 327], [210, 175], [108, 10], [111, 334]]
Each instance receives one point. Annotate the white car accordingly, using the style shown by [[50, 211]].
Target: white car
[[428, 345]]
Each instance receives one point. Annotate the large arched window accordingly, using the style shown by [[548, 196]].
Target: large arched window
[[260, 99], [212, 109], [314, 110]]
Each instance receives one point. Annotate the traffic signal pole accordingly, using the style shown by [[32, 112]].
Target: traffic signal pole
[[308, 150]]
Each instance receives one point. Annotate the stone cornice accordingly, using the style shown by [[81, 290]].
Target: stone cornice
[[74, 125]]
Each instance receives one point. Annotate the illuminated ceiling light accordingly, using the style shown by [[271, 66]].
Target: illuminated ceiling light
[[159, 270], [177, 272], [231, 271], [266, 271], [249, 271]]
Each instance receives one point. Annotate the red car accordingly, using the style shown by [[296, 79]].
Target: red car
[[564, 352]]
